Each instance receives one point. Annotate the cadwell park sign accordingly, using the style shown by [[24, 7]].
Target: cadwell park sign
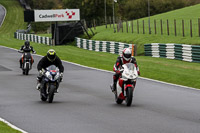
[[62, 33], [57, 15], [51, 15]]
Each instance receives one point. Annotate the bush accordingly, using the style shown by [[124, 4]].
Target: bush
[[40, 27]]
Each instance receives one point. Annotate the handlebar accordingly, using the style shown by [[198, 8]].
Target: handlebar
[[19, 51]]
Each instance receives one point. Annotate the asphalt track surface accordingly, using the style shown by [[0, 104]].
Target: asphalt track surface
[[85, 103]]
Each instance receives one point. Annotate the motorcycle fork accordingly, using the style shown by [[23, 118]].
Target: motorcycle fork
[[49, 84]]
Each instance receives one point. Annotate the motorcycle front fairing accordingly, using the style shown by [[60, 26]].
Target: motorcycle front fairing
[[51, 77], [128, 78]]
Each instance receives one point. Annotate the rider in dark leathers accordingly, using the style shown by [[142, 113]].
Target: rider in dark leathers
[[125, 58], [26, 48], [50, 59]]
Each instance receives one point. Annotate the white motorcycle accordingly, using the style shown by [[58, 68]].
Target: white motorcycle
[[126, 84]]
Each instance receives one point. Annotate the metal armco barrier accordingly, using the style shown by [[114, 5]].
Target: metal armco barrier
[[33, 38], [190, 53], [104, 46]]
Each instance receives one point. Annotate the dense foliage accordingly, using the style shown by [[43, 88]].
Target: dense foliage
[[124, 9]]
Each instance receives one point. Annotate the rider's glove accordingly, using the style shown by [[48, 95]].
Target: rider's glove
[[118, 72], [41, 72], [20, 51], [61, 77], [138, 70], [34, 52]]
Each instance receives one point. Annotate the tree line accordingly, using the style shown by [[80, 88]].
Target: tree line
[[124, 9]]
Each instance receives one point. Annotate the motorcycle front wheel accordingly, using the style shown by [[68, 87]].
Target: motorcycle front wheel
[[52, 89], [27, 69], [129, 96]]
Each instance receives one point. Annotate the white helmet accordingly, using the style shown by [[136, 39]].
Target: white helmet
[[126, 54]]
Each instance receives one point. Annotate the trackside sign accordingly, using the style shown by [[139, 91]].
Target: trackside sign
[[57, 15]]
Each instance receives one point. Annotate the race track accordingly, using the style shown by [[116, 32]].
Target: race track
[[85, 103]]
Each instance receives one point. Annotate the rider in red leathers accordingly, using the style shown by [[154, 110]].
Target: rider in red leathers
[[125, 58]]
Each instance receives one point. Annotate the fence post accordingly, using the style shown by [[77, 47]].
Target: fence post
[[167, 27], [143, 28], [183, 28], [127, 26], [110, 21], [175, 26], [133, 50], [190, 27], [132, 25], [161, 27], [94, 24], [199, 26], [122, 27], [138, 26], [155, 26], [117, 27]]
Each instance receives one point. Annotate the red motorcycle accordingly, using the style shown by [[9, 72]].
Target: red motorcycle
[[126, 84]]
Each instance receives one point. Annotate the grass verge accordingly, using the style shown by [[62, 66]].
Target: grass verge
[[4, 128]]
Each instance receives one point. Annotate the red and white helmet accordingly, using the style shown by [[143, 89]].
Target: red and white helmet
[[126, 54]]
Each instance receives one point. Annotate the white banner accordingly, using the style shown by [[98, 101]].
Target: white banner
[[57, 15]]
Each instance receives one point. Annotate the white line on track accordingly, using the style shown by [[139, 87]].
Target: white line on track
[[12, 126], [98, 70]]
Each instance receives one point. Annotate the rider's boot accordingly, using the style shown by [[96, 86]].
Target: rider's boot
[[56, 91], [20, 64], [113, 87], [38, 84]]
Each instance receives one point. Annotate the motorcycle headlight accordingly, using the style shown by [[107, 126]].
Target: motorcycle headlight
[[127, 74], [50, 77], [57, 76]]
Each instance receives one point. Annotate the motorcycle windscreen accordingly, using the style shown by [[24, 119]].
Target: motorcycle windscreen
[[130, 66], [27, 55], [52, 67]]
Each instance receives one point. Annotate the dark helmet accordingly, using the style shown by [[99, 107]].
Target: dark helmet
[[126, 54], [27, 44], [51, 55]]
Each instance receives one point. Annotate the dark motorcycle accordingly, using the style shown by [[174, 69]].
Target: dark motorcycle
[[27, 61], [50, 83]]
